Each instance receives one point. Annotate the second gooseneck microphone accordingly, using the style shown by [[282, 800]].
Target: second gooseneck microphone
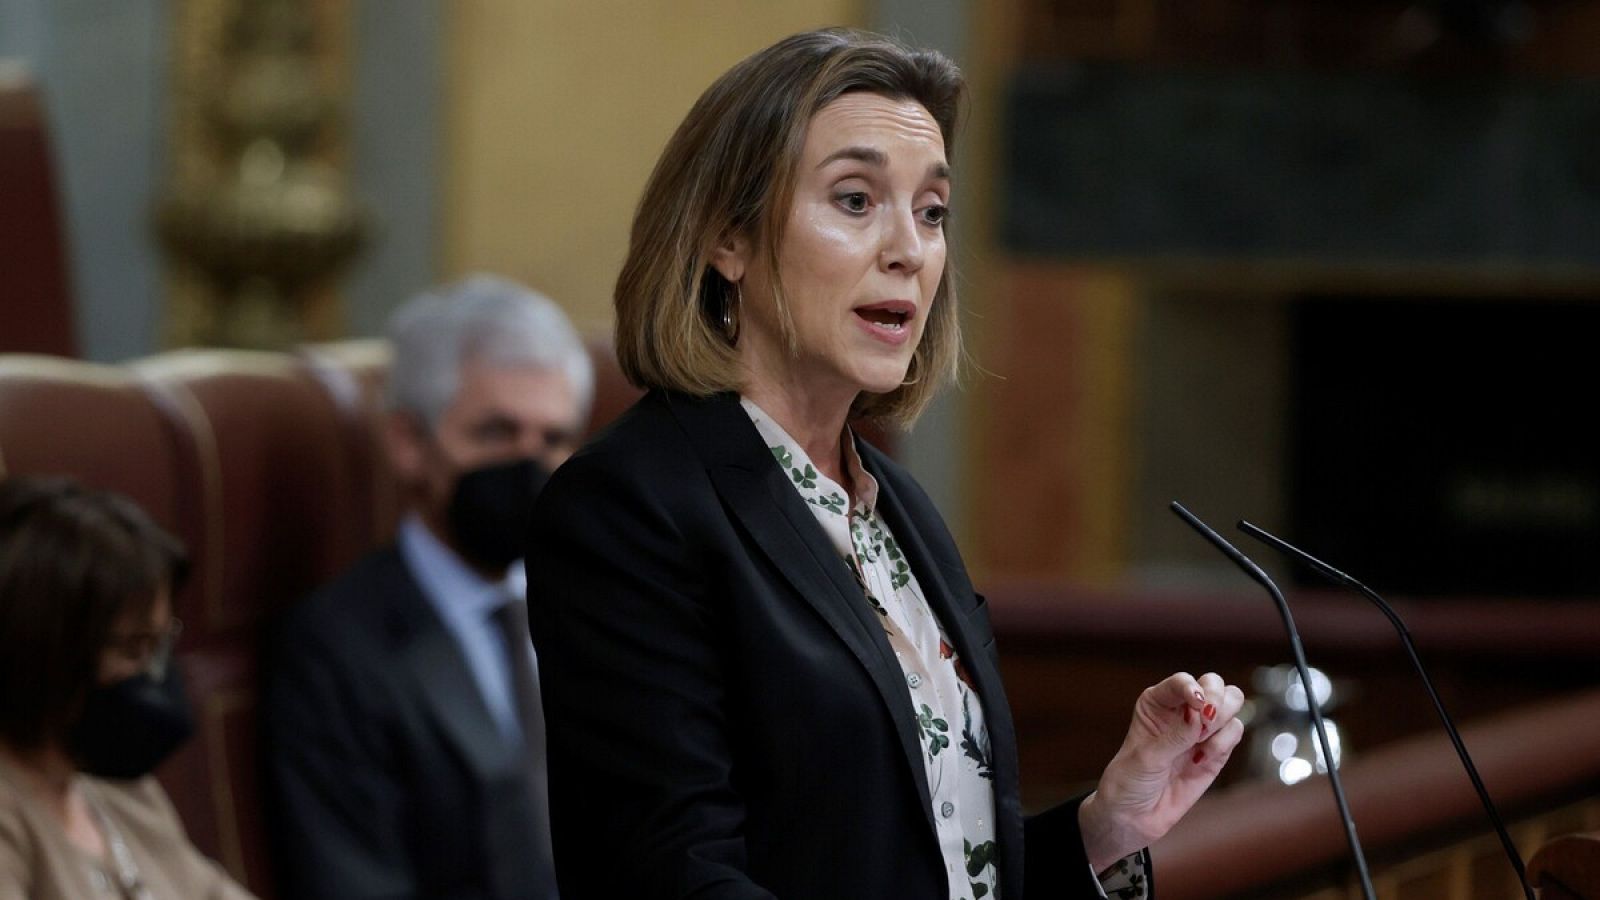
[[1255, 572], [1341, 578]]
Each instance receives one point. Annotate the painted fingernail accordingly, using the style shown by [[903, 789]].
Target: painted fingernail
[[1210, 712], [1198, 755], [1186, 717], [1199, 695]]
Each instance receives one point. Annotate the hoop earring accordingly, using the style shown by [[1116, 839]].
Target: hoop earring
[[913, 380], [730, 316]]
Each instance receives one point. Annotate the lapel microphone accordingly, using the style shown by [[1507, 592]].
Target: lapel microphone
[[1340, 578], [1256, 574]]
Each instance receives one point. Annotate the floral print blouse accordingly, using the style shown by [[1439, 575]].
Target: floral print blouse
[[949, 716]]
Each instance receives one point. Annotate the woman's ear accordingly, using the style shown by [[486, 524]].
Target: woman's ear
[[731, 257]]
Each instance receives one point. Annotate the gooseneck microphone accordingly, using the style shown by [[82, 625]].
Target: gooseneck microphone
[[1255, 572], [1344, 580]]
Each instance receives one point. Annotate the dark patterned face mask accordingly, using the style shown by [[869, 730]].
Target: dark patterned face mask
[[129, 727], [491, 511]]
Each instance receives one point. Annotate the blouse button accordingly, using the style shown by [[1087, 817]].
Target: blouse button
[[914, 679], [948, 809]]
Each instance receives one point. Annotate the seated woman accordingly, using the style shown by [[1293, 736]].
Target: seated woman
[[89, 704]]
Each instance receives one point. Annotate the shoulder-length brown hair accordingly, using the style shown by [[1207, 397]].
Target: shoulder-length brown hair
[[729, 170]]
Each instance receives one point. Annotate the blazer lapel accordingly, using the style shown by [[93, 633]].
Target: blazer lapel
[[979, 665], [433, 662], [953, 616], [781, 524]]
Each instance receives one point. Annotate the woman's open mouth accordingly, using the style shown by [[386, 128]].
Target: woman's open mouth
[[888, 321]]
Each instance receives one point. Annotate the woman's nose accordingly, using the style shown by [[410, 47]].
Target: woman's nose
[[903, 247]]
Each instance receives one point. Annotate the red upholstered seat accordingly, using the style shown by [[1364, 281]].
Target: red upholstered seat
[[280, 491], [278, 482], [353, 373], [612, 392], [97, 423], [35, 302]]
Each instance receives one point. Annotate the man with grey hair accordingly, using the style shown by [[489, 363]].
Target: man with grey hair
[[403, 739]]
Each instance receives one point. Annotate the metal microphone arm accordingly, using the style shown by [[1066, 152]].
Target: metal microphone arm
[[1341, 578], [1255, 572]]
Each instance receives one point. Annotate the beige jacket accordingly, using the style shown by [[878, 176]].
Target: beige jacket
[[38, 863]]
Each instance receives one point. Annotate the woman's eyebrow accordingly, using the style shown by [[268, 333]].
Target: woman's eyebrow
[[875, 157], [869, 155]]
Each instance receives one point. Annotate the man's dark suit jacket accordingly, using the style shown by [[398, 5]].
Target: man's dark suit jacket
[[387, 775], [726, 718]]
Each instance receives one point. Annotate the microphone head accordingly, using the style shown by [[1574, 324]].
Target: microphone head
[[1221, 543], [1283, 546]]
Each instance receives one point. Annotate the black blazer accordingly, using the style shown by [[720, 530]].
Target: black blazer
[[725, 716], [386, 775]]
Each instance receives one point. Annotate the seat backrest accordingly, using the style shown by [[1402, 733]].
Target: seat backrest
[[276, 472], [612, 392], [353, 373], [284, 499], [35, 301], [99, 424]]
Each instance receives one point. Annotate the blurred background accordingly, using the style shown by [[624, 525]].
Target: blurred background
[[1329, 267]]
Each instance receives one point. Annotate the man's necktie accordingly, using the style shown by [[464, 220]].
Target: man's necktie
[[512, 620]]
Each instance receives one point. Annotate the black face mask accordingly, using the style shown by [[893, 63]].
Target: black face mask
[[492, 509], [129, 727]]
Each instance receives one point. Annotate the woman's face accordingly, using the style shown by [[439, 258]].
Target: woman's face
[[861, 256], [137, 639]]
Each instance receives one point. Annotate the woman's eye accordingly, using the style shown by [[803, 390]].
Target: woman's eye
[[855, 201], [936, 214]]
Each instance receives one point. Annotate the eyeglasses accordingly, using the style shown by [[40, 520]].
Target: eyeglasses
[[150, 650]]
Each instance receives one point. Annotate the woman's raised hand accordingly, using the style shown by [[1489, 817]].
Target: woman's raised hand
[[1183, 731]]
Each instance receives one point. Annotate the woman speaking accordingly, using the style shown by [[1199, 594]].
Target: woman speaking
[[765, 671]]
